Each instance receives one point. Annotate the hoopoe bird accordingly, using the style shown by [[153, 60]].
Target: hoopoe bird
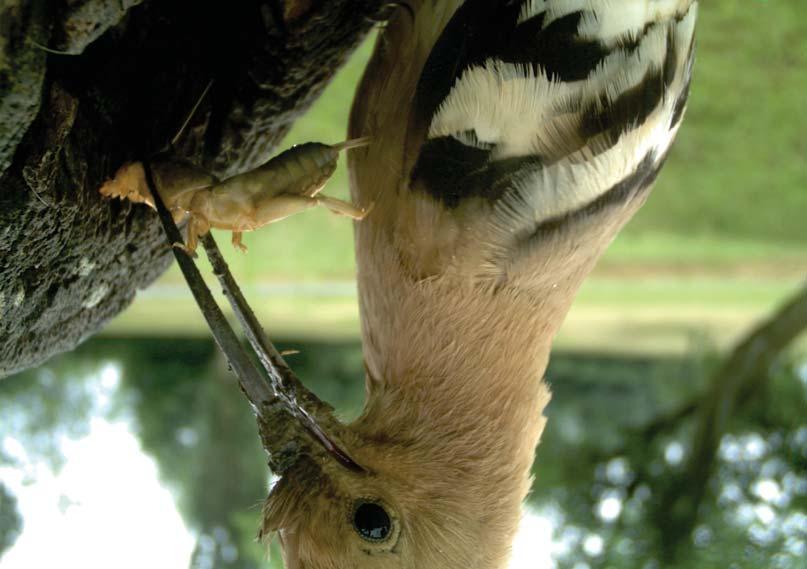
[[510, 142]]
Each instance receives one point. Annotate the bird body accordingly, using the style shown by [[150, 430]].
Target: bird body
[[511, 140]]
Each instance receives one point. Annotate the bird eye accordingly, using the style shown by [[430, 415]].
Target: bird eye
[[372, 522]]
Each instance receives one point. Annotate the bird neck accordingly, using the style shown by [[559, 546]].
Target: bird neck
[[451, 352]]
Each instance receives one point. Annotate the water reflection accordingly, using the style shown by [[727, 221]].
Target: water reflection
[[140, 453]]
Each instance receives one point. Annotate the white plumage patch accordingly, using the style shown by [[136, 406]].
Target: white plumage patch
[[521, 111], [504, 103], [612, 20], [606, 19]]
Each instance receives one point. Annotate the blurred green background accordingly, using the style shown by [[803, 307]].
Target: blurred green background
[[721, 242]]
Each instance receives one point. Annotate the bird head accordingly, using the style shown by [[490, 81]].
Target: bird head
[[435, 488]]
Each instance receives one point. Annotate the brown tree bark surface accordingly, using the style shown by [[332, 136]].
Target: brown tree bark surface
[[129, 74]]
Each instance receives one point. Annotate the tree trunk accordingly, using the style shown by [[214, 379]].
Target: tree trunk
[[127, 76]]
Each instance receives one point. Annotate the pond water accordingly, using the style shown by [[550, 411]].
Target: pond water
[[137, 452]]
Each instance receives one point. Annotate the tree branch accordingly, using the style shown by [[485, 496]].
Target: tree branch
[[743, 371], [69, 260]]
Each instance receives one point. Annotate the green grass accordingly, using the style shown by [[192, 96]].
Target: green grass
[[318, 246], [645, 315], [739, 166], [321, 317], [682, 253]]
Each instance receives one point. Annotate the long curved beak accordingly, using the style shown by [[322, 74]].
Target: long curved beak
[[285, 409]]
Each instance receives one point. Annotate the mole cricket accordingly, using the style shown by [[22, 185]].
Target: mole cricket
[[287, 184]]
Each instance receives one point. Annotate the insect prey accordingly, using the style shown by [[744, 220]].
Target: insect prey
[[287, 184]]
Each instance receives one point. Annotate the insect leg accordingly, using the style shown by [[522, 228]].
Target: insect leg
[[237, 243], [341, 207], [274, 208], [352, 143], [197, 226]]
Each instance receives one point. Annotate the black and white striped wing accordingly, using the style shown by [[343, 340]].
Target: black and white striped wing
[[544, 108]]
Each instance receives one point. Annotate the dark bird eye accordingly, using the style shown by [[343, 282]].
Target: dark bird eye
[[372, 521]]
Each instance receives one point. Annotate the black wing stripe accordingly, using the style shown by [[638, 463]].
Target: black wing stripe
[[632, 107], [681, 102], [451, 168], [450, 171], [630, 188], [475, 33], [489, 29], [443, 66], [680, 106], [556, 49]]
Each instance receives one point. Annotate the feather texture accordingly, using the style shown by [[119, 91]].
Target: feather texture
[[511, 139], [589, 133]]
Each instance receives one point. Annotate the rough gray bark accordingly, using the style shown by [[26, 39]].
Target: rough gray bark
[[69, 261]]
